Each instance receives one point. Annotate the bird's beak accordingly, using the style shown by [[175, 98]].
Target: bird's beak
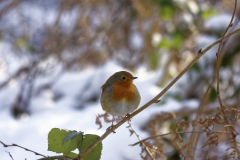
[[134, 77]]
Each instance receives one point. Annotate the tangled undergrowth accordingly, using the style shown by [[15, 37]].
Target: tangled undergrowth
[[214, 139]]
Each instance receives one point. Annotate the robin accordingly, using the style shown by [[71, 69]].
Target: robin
[[119, 95]]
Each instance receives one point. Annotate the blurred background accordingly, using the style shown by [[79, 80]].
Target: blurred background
[[55, 55]]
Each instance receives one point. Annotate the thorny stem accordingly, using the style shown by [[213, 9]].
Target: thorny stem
[[156, 98]]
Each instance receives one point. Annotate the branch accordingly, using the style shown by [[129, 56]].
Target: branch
[[10, 155], [219, 61], [15, 75], [15, 145]]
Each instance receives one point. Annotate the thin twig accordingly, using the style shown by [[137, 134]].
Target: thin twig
[[36, 153], [219, 61], [18, 73], [108, 132], [181, 132], [194, 138], [142, 142], [15, 145], [10, 155]]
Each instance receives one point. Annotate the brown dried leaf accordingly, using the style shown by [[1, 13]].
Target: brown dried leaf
[[211, 140], [98, 121]]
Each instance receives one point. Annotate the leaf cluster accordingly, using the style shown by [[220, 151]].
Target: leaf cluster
[[66, 141]]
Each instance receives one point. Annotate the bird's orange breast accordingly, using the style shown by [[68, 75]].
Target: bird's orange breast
[[123, 91]]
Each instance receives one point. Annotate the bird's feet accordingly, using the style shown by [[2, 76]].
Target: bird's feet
[[111, 128], [128, 116]]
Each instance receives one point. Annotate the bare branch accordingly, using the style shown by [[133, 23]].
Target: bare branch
[[15, 145]]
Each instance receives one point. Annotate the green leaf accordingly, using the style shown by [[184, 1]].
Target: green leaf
[[177, 40], [208, 13], [195, 67], [178, 97], [71, 136], [21, 42], [55, 141], [165, 43], [88, 140], [24, 43], [167, 13], [167, 8], [228, 60]]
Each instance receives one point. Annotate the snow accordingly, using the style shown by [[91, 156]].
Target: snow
[[218, 22]]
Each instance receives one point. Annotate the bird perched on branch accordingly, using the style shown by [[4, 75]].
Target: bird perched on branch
[[119, 95]]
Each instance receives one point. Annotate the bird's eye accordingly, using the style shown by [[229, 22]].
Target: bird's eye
[[123, 77]]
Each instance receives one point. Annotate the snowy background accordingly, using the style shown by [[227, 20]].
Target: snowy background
[[31, 130]]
